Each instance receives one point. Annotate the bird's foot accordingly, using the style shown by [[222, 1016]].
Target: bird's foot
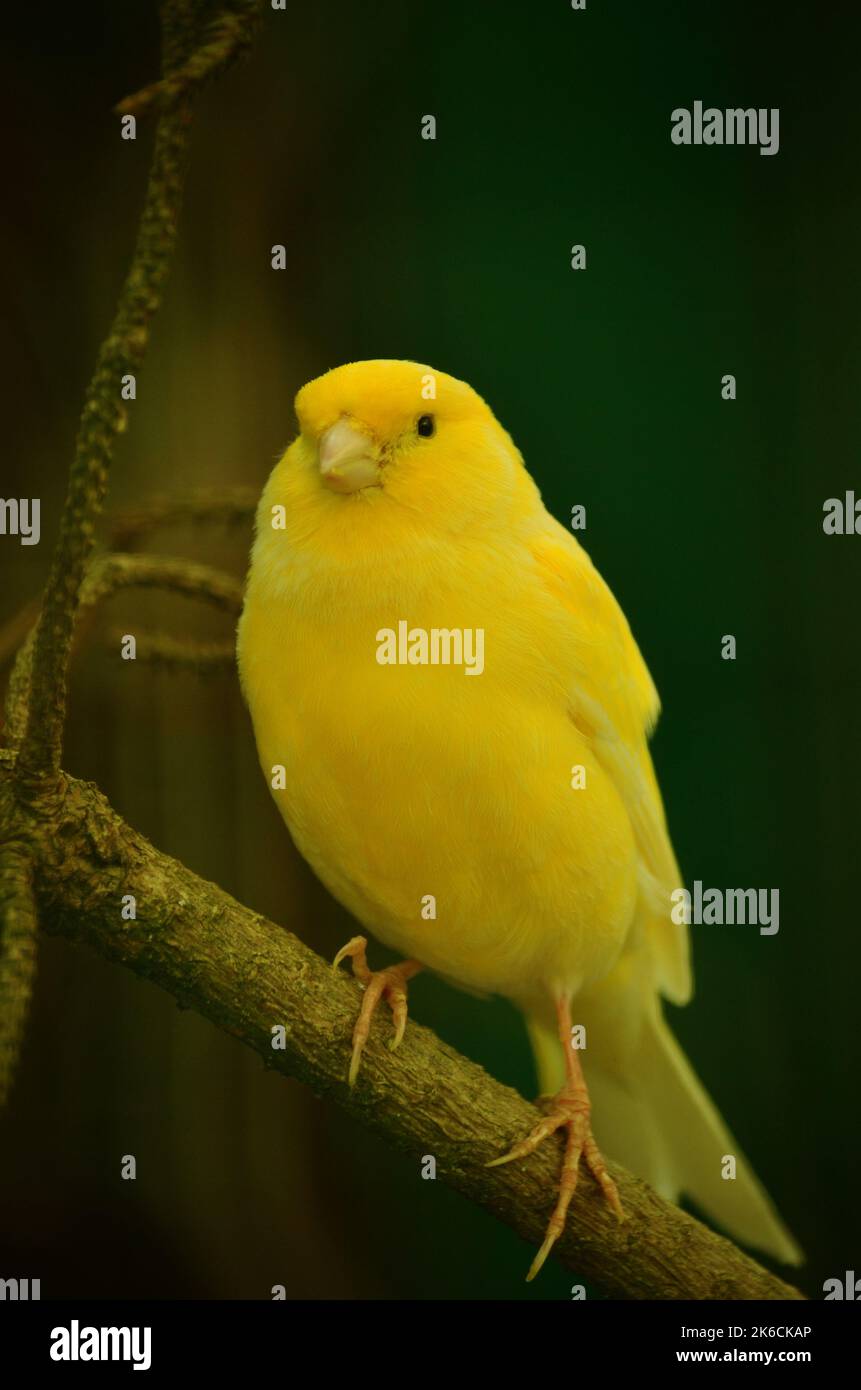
[[389, 984], [570, 1109]]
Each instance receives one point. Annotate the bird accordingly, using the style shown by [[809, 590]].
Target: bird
[[498, 823]]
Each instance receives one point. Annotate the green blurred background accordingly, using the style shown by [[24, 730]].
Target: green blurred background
[[704, 516]]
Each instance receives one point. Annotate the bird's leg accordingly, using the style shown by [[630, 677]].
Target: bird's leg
[[390, 984], [571, 1108]]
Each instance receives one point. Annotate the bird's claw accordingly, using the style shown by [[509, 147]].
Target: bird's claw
[[390, 984], [570, 1110]]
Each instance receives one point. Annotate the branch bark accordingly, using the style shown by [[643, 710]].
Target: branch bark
[[103, 418], [107, 576], [104, 415], [247, 975], [178, 653], [230, 34], [225, 505], [114, 572], [222, 506], [36, 702]]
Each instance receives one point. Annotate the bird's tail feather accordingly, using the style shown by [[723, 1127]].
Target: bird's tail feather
[[654, 1117]]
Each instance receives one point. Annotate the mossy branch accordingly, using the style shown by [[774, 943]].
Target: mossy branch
[[228, 36], [107, 575], [223, 505], [104, 415], [103, 418], [248, 975], [36, 704], [169, 653], [113, 572]]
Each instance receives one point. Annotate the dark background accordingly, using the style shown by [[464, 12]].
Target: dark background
[[705, 517]]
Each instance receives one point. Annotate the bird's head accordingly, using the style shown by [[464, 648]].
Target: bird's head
[[383, 438], [380, 424]]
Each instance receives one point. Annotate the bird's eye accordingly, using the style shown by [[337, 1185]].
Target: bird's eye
[[425, 426]]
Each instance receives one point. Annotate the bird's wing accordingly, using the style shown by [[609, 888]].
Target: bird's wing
[[614, 704]]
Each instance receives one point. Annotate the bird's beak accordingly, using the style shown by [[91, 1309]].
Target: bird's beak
[[348, 459]]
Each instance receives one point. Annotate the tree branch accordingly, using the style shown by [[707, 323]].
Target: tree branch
[[225, 505], [104, 415], [113, 572], [36, 703], [219, 506], [107, 576], [248, 975], [178, 653], [103, 418], [230, 34]]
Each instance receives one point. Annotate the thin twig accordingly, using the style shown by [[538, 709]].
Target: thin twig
[[31, 785], [225, 505], [107, 575], [169, 653], [113, 572], [104, 416], [230, 34], [219, 506]]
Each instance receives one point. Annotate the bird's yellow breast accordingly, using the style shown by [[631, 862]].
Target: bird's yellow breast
[[436, 805]]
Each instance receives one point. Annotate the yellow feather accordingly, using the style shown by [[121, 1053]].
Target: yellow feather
[[403, 781]]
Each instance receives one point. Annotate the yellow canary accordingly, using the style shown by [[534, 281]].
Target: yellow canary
[[462, 717]]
